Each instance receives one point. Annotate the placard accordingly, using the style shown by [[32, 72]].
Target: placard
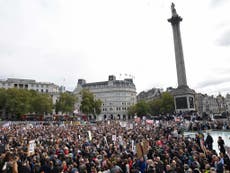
[[31, 147]]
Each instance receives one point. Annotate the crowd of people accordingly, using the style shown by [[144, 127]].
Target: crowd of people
[[109, 147]]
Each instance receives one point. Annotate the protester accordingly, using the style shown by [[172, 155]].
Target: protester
[[114, 147], [209, 141]]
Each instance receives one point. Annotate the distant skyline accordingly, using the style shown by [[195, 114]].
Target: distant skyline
[[62, 41]]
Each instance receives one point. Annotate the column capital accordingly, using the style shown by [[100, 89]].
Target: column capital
[[174, 20]]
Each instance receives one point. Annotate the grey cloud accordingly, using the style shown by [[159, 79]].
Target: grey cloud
[[212, 82], [222, 91], [224, 39]]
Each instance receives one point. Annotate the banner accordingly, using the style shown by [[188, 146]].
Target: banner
[[149, 121], [6, 125]]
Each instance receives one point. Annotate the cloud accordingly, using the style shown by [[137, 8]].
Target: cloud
[[212, 82], [224, 39]]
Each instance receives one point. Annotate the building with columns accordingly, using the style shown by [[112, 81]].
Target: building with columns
[[116, 96], [206, 104], [227, 101], [44, 87]]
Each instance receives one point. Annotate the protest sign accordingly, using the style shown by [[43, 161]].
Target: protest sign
[[31, 147], [142, 148], [114, 138], [90, 135]]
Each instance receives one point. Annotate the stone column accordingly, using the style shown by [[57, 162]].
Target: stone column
[[183, 95], [180, 66]]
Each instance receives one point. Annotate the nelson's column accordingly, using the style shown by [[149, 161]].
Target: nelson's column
[[183, 95]]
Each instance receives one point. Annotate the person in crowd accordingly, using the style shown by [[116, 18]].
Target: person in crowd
[[110, 148], [209, 141], [221, 144]]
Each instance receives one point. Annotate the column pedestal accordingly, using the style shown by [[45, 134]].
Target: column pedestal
[[184, 99]]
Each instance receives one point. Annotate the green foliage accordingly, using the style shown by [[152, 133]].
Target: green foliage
[[164, 104], [16, 102], [2, 98], [41, 103], [132, 110], [167, 103], [89, 105], [97, 106], [155, 106], [66, 103], [140, 109]]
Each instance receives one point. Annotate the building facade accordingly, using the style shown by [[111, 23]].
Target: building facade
[[116, 96], [227, 101], [209, 104], [44, 87], [149, 95]]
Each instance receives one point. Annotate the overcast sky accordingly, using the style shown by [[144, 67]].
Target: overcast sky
[[61, 41]]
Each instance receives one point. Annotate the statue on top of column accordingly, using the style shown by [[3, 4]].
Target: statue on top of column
[[174, 13]]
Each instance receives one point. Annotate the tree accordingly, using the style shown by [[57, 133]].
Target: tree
[[17, 101], [2, 101], [140, 109], [66, 103], [90, 105], [132, 110], [155, 106], [97, 107], [41, 103], [167, 104], [164, 104], [2, 98]]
